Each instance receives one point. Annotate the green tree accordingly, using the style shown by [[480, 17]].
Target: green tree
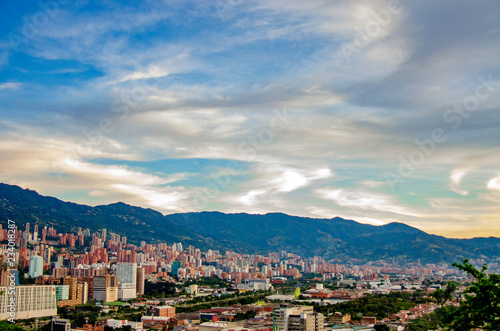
[[442, 296], [381, 327], [481, 305], [419, 324], [8, 326]]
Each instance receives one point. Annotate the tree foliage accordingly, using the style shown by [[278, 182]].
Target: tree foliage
[[8, 326], [480, 308], [442, 296], [379, 305]]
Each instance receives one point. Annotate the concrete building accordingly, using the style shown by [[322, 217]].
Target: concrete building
[[127, 280], [62, 292], [215, 326], [282, 313], [306, 322], [161, 311], [137, 326], [105, 288], [339, 318], [77, 292], [36, 266], [193, 289], [255, 284], [60, 324], [141, 276], [31, 301]]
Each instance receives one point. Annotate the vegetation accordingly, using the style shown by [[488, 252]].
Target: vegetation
[[207, 281], [378, 305], [442, 296], [159, 289], [8, 326], [232, 299], [245, 316], [480, 308]]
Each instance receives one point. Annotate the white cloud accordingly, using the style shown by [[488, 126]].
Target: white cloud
[[10, 85], [290, 181], [365, 200], [249, 198], [456, 177], [494, 184]]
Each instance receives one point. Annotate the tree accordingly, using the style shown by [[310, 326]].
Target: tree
[[419, 324], [8, 326], [480, 308], [442, 296], [381, 327]]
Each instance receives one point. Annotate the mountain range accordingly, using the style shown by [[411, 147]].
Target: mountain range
[[335, 238]]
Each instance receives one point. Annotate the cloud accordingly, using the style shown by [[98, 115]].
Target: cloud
[[202, 81], [365, 200], [456, 177], [10, 85], [494, 184]]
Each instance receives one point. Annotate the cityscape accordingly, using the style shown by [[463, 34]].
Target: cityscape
[[230, 165], [67, 273]]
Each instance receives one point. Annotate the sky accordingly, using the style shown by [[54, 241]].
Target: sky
[[376, 111]]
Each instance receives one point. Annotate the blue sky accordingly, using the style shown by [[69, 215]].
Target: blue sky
[[377, 111]]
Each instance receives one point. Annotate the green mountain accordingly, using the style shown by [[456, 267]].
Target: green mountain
[[24, 205], [335, 238]]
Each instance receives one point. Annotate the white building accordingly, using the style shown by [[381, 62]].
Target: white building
[[255, 284], [36, 266], [127, 280], [30, 301], [121, 323]]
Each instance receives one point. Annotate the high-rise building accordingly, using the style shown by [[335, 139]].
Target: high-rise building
[[127, 280], [77, 292], [141, 275], [175, 267], [105, 288], [103, 235], [32, 301], [36, 266]]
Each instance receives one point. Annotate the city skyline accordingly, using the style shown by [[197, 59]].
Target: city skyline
[[374, 111]]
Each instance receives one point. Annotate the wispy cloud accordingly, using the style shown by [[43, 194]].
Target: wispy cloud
[[104, 92], [10, 85]]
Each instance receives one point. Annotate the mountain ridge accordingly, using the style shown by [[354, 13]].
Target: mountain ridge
[[334, 238]]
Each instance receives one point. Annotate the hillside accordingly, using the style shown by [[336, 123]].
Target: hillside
[[133, 222], [335, 238]]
